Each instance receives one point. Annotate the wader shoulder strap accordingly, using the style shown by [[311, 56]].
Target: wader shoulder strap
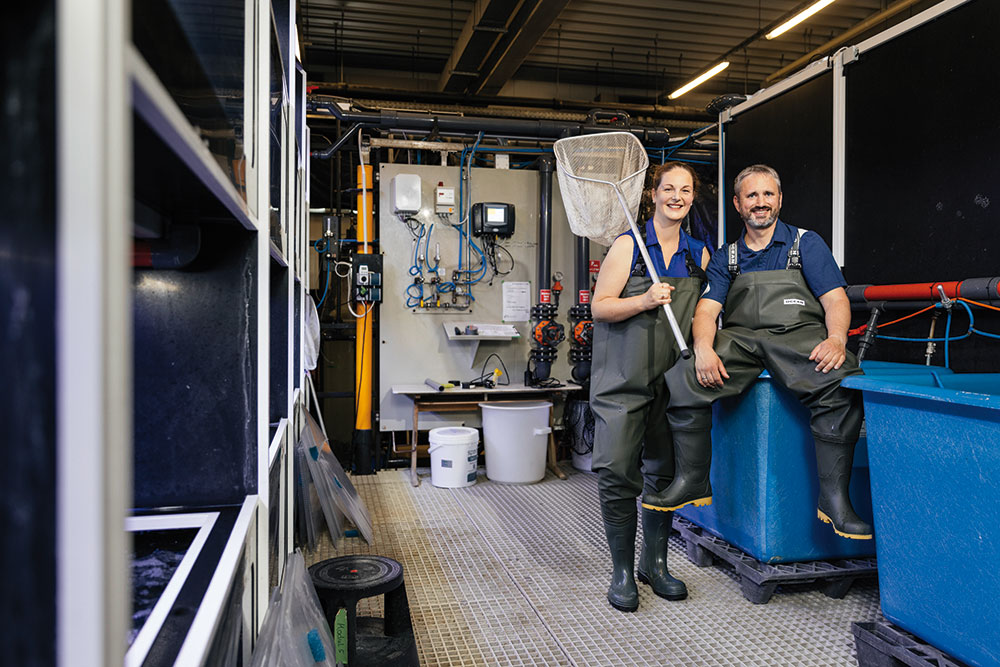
[[694, 270], [639, 268], [794, 256], [734, 264]]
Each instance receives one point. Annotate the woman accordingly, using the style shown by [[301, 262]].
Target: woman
[[633, 347]]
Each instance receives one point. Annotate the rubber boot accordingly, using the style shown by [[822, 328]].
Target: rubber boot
[[691, 485], [833, 465], [652, 568], [622, 593]]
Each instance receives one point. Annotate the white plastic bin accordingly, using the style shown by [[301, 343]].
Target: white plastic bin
[[454, 451], [516, 436]]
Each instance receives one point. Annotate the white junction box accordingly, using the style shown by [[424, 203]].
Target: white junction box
[[405, 193], [444, 199]]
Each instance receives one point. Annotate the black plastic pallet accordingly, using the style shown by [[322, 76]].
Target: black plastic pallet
[[759, 580], [885, 645]]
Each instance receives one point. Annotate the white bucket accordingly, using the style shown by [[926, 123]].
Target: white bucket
[[454, 451], [516, 436]]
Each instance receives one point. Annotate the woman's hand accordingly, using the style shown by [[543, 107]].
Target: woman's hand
[[657, 295]]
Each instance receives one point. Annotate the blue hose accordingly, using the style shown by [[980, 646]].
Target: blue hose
[[948, 338], [325, 289]]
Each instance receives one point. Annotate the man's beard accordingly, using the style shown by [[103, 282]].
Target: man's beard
[[767, 222]]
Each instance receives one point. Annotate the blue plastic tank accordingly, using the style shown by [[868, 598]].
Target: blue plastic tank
[[764, 476], [934, 455]]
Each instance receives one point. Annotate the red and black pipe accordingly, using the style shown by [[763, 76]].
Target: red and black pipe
[[546, 333], [917, 295], [581, 351]]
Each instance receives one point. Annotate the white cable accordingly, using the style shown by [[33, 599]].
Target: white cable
[[364, 314], [337, 273]]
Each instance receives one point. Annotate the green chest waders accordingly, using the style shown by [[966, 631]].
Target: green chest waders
[[628, 398], [771, 321], [628, 395]]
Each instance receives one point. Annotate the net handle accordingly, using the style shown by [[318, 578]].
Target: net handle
[[685, 352]]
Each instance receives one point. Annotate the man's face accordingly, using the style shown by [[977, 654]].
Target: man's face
[[758, 201]]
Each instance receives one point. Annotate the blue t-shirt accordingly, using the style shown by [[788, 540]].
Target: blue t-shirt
[[678, 266], [819, 268]]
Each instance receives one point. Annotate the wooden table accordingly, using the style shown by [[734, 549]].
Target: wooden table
[[456, 399]]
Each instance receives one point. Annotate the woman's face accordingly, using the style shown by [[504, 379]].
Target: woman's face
[[674, 195]]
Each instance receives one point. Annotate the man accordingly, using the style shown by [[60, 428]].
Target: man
[[784, 308]]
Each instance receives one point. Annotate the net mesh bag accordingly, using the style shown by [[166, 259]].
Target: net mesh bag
[[591, 168]]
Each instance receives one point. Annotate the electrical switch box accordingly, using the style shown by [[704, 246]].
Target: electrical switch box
[[367, 272], [405, 193], [493, 219], [444, 200]]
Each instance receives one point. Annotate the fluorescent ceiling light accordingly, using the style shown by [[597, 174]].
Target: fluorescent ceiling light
[[798, 18], [700, 80]]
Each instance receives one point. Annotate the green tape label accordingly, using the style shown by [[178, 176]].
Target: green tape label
[[340, 636]]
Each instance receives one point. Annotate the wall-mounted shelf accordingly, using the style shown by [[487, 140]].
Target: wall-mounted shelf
[[470, 342]]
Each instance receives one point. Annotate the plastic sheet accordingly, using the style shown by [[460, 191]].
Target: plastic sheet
[[308, 511], [295, 632], [320, 490], [333, 485]]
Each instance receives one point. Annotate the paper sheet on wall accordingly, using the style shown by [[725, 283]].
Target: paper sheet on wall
[[516, 301]]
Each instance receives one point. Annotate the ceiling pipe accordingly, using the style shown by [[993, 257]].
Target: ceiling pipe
[[502, 127], [452, 99], [844, 37]]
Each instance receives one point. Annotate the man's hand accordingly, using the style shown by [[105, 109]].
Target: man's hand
[[657, 295], [829, 355], [709, 368]]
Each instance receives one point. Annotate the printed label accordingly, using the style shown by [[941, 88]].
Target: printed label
[[472, 458], [584, 296], [471, 477], [445, 463], [595, 265], [545, 296], [794, 302]]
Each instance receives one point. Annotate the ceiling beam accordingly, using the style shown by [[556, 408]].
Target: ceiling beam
[[486, 24], [529, 24]]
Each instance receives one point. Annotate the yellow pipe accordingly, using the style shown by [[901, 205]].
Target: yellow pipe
[[363, 372], [363, 325]]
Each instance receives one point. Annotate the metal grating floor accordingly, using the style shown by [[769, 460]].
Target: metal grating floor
[[516, 575]]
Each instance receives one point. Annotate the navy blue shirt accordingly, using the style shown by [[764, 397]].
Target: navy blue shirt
[[678, 266], [819, 268]]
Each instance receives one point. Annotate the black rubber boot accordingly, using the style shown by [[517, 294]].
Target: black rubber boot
[[622, 593], [833, 465], [653, 560], [691, 485]]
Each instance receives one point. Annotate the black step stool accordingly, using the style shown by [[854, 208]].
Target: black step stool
[[341, 582]]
